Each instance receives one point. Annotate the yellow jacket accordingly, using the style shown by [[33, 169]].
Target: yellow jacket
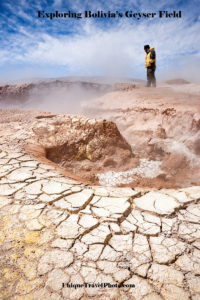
[[150, 59]]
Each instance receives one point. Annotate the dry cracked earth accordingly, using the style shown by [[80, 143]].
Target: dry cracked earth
[[57, 232]]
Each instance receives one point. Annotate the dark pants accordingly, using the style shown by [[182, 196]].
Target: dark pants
[[151, 79]]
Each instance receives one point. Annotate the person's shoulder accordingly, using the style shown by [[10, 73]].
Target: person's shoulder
[[153, 53]]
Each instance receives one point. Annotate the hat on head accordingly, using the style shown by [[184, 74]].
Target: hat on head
[[146, 47]]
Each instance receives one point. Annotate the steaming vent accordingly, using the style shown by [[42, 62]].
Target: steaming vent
[[95, 150], [132, 136]]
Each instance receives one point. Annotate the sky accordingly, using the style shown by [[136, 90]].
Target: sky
[[33, 47]]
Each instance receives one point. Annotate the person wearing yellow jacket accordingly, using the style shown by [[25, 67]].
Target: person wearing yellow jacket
[[150, 64]]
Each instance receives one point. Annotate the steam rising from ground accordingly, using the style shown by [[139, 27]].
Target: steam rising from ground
[[60, 100], [162, 125], [181, 149], [61, 97]]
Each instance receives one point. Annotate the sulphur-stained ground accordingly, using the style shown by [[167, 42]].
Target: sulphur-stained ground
[[62, 238]]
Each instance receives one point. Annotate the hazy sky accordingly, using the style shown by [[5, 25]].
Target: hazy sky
[[38, 47]]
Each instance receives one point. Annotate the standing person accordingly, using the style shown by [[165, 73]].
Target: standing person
[[150, 64]]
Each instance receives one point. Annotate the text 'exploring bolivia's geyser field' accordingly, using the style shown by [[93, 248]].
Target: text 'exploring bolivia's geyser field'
[[103, 15]]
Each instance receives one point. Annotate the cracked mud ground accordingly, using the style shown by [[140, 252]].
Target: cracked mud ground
[[57, 230]]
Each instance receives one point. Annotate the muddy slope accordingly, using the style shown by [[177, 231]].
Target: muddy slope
[[161, 125]]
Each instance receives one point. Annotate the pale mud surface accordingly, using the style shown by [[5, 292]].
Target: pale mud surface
[[55, 230]]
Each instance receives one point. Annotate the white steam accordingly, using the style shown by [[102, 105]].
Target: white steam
[[56, 99]]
